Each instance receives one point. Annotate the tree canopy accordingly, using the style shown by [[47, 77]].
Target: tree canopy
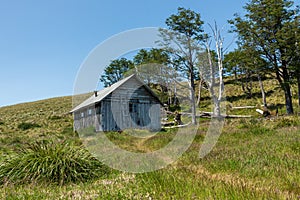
[[269, 27], [115, 71], [181, 39], [268, 43]]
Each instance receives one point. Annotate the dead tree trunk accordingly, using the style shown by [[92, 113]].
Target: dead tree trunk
[[199, 92], [216, 93], [192, 99], [192, 81]]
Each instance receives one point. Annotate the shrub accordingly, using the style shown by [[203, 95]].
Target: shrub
[[1, 123], [50, 162], [26, 125]]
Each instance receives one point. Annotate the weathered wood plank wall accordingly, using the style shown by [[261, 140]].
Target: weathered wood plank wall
[[129, 106]]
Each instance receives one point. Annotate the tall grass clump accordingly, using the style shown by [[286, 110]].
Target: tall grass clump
[[50, 162], [287, 122], [27, 125]]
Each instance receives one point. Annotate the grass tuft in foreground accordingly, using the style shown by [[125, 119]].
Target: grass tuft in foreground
[[50, 162]]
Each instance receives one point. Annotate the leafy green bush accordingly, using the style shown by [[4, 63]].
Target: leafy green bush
[[1, 123], [27, 125], [50, 162]]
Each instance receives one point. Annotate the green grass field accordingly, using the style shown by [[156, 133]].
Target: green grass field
[[254, 158]]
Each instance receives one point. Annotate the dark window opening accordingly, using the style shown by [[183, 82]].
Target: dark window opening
[[98, 109], [133, 107], [130, 107]]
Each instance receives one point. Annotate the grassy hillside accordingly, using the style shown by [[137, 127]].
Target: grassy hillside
[[23, 123], [235, 96], [254, 158]]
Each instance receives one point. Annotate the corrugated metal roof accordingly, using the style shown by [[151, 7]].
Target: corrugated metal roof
[[106, 91]]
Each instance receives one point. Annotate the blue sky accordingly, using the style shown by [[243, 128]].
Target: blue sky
[[43, 43]]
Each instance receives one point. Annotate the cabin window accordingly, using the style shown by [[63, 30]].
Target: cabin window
[[77, 115], [132, 107], [98, 109], [90, 111], [82, 114]]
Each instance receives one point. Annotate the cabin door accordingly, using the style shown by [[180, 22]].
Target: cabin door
[[124, 113], [98, 118], [134, 114]]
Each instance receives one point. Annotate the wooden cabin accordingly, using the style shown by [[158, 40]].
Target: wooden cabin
[[128, 103]]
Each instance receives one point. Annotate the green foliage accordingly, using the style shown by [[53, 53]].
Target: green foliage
[[246, 63], [152, 56], [152, 67], [253, 159], [115, 71], [50, 162], [186, 32], [186, 22], [270, 28], [28, 125]]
